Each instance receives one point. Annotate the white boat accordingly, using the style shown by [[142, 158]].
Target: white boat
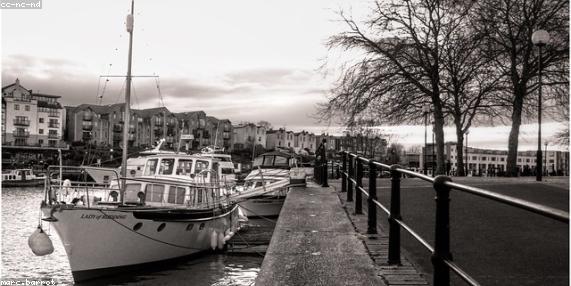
[[21, 178], [175, 209], [227, 173], [268, 183]]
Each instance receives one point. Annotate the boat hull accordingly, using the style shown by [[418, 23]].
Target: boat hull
[[263, 206], [23, 183], [102, 242]]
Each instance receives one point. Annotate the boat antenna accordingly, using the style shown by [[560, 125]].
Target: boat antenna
[[127, 115]]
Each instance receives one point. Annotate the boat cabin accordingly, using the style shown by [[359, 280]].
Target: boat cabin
[[275, 160]]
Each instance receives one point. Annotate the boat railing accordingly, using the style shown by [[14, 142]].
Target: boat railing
[[73, 185]]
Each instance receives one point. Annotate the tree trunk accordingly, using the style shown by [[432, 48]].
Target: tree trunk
[[511, 166], [461, 168]]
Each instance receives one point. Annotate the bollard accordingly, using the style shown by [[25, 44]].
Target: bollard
[[343, 175], [358, 193], [372, 208], [442, 232], [350, 175], [394, 228]]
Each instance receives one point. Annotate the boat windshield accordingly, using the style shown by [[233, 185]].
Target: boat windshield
[[166, 166], [150, 167]]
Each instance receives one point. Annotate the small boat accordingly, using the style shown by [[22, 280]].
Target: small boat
[[272, 175], [21, 178]]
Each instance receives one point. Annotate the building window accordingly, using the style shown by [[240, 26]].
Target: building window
[[27, 107], [16, 107], [527, 160], [41, 141], [493, 158], [40, 131], [502, 159], [474, 158], [41, 120], [484, 158], [519, 159]]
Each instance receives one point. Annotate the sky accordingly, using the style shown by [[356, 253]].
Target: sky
[[247, 60]]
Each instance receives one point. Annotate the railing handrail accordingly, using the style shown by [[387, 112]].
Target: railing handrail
[[352, 174]]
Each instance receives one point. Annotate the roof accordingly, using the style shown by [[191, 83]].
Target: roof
[[149, 112], [46, 95]]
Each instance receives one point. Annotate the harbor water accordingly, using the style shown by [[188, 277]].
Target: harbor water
[[20, 217]]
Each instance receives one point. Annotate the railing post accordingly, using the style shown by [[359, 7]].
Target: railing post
[[343, 177], [358, 193], [350, 175], [442, 232], [394, 228], [372, 208]]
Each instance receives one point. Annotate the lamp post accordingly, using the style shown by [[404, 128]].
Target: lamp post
[[466, 153], [425, 110], [539, 38], [432, 158], [545, 158]]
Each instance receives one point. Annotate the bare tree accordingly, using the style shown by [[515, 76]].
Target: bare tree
[[399, 72], [508, 26]]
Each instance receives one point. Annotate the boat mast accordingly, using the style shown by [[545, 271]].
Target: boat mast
[[127, 115]]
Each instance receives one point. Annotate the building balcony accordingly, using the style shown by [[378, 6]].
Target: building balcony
[[87, 116], [21, 134], [53, 125], [86, 136], [117, 137], [53, 136], [56, 114], [171, 122], [22, 122]]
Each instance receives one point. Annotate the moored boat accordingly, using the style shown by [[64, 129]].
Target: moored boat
[[21, 178]]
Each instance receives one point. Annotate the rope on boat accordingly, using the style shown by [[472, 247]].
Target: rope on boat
[[146, 236]]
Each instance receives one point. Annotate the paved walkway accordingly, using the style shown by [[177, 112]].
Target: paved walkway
[[315, 243]]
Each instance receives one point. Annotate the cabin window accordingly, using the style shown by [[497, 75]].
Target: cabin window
[[151, 167], [280, 161], [268, 161], [154, 193], [227, 171], [200, 165], [176, 195], [166, 167], [184, 167]]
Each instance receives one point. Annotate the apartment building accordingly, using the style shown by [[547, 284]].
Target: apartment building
[[31, 119], [279, 139], [244, 135], [304, 141]]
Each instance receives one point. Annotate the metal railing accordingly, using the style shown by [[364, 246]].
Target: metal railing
[[352, 174]]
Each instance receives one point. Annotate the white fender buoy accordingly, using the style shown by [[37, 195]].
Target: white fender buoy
[[221, 241], [40, 243], [213, 240], [242, 217]]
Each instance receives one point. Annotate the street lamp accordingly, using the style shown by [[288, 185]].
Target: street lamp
[[545, 158], [539, 38], [425, 110], [466, 154]]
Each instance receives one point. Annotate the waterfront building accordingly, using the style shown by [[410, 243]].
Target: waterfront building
[[31, 119], [279, 139], [244, 135], [304, 141], [486, 162]]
